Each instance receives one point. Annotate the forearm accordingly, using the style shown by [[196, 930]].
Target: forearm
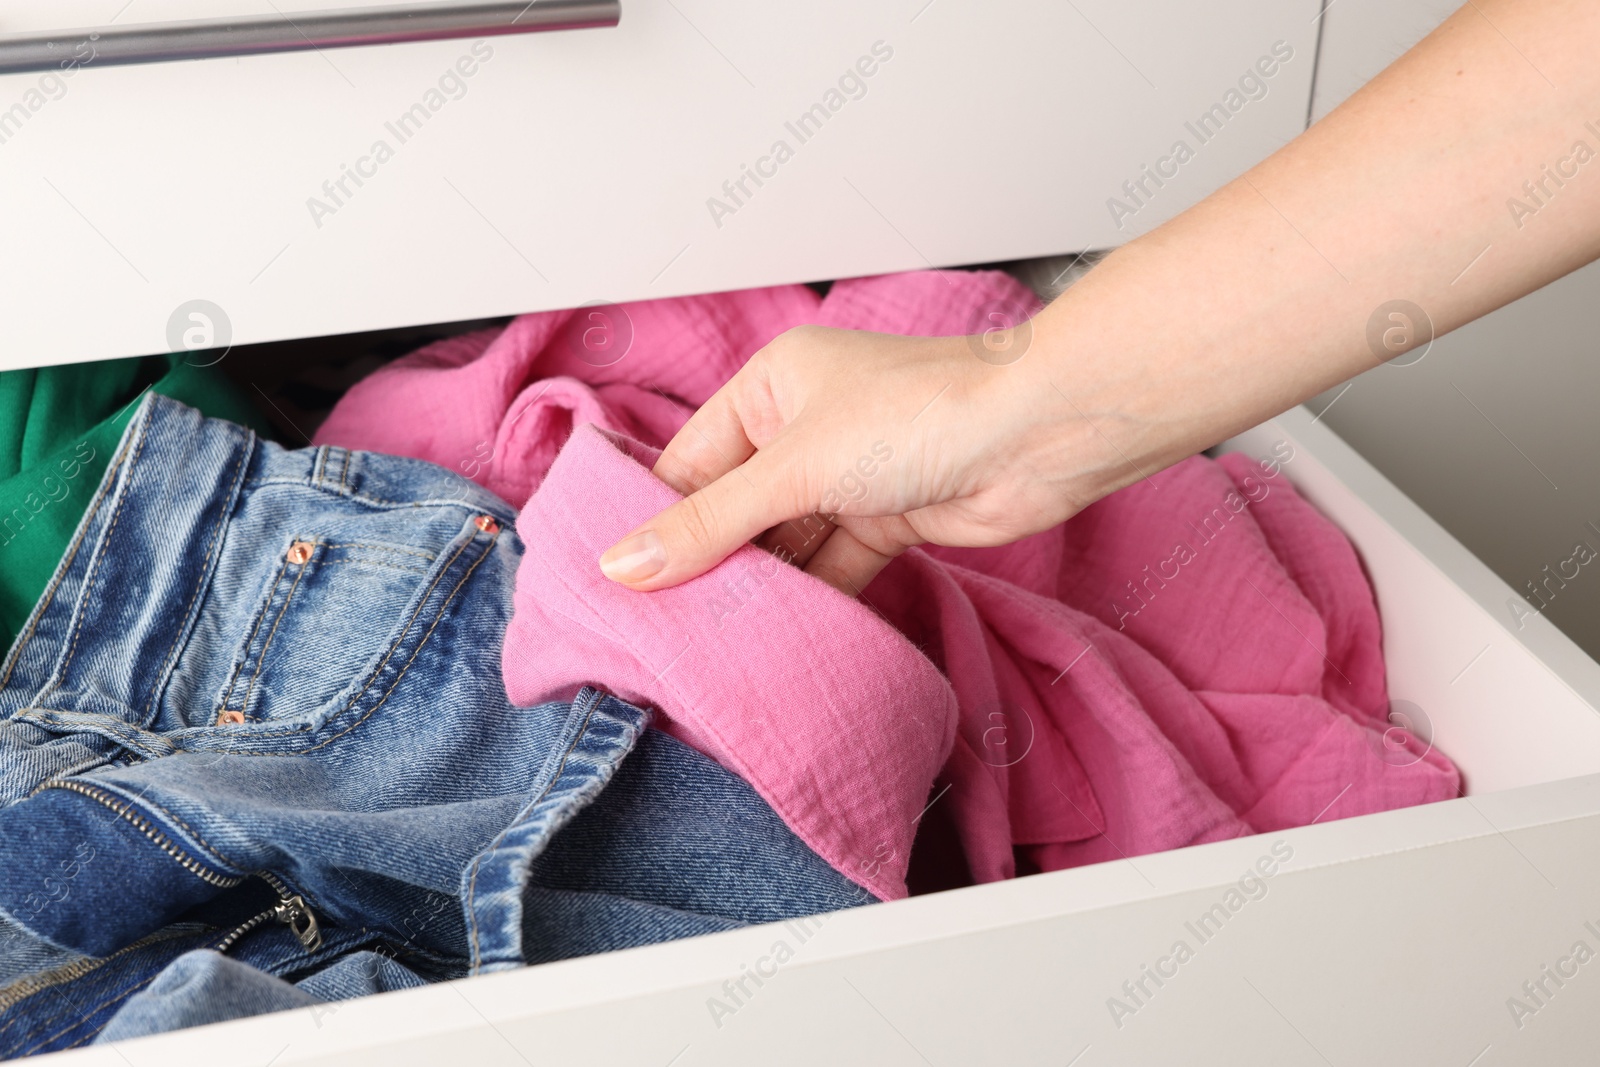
[[1253, 300], [1261, 295]]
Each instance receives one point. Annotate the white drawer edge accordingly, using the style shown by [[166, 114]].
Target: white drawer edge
[[1436, 546], [368, 1026]]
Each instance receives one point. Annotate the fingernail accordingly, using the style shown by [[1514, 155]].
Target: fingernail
[[635, 558]]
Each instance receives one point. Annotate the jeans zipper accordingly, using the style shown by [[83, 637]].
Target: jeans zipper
[[291, 909]]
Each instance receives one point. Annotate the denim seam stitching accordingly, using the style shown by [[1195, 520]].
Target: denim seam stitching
[[555, 776], [277, 580], [471, 507], [261, 657], [36, 1031], [107, 481], [344, 469], [59, 674], [430, 556], [206, 846], [463, 504], [143, 942], [215, 853], [133, 740], [202, 580], [367, 684], [415, 652], [373, 677], [85, 1039], [373, 563]]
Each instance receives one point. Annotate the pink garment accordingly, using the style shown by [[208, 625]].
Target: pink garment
[[1193, 658]]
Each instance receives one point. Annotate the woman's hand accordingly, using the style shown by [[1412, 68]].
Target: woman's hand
[[841, 449], [1265, 293]]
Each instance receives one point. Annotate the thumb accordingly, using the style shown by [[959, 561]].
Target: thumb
[[704, 528]]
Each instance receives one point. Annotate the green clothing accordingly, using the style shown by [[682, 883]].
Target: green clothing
[[58, 429]]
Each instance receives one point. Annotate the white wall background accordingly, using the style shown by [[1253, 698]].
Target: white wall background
[[1516, 481]]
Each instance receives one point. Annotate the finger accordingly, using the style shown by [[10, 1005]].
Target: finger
[[797, 540], [712, 443], [845, 563], [704, 528]]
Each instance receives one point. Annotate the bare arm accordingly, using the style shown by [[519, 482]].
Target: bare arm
[[1253, 300], [1261, 295]]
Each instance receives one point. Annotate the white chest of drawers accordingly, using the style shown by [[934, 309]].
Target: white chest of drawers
[[618, 164]]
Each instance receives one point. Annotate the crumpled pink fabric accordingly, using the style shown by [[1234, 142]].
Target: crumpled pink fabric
[[1193, 658]]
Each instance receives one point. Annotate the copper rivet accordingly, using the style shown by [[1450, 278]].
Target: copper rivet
[[487, 524], [230, 718], [300, 551]]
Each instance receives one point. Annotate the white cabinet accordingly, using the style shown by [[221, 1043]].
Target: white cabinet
[[585, 165], [617, 164], [1361, 37]]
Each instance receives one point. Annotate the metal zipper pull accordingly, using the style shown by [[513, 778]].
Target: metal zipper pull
[[296, 915], [291, 910]]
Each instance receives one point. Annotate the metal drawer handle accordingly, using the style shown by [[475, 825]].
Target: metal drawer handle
[[161, 42]]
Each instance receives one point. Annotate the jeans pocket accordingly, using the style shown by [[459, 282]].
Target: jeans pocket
[[326, 612], [334, 615]]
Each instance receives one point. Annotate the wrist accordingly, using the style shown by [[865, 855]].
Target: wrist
[[1070, 422]]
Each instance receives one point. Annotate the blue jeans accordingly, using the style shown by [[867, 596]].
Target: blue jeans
[[258, 713]]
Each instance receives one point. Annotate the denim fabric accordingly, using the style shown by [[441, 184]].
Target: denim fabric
[[204, 986], [262, 675], [70, 1004], [22, 954], [675, 846]]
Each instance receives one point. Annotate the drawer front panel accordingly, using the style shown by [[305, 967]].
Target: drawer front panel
[[700, 145]]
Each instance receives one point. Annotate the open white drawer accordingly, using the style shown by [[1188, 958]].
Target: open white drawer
[[1391, 938]]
